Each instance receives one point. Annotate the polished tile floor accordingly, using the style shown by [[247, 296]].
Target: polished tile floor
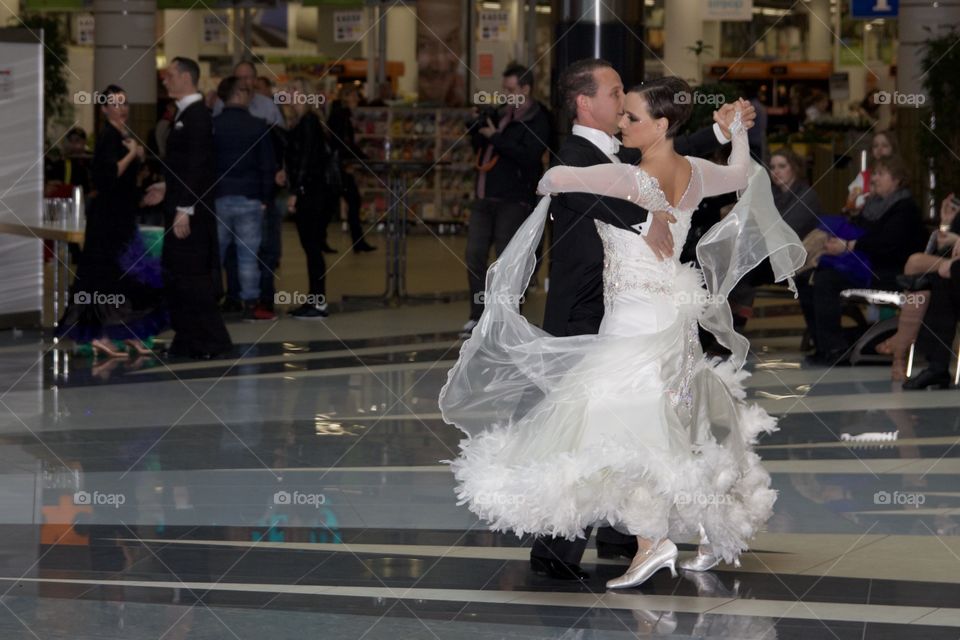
[[295, 490]]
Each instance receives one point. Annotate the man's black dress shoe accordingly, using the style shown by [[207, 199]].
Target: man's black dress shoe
[[927, 379], [831, 359], [557, 569], [612, 550]]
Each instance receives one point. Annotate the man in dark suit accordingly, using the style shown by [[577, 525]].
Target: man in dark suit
[[191, 264], [593, 97]]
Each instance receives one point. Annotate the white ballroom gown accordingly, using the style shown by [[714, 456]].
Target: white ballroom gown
[[632, 427]]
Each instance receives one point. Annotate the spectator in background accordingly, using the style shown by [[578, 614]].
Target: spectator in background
[[266, 109], [883, 145], [940, 327], [884, 235], [796, 201], [70, 167], [246, 170], [261, 106], [308, 160], [800, 208], [510, 163], [918, 276], [117, 294], [343, 138], [818, 107], [264, 87]]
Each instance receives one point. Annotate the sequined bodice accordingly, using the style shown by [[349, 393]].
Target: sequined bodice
[[628, 262]]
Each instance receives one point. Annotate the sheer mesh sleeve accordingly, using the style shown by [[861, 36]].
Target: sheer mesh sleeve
[[718, 178], [614, 180]]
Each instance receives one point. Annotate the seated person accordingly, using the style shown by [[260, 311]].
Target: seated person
[[917, 271], [870, 250]]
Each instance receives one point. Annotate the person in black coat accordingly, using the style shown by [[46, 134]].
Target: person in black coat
[[892, 230], [309, 162], [510, 163], [117, 293], [190, 259], [343, 137], [593, 97]]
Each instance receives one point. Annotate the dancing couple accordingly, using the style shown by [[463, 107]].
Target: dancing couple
[[611, 415]]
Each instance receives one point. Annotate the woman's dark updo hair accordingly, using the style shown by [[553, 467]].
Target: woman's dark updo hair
[[670, 98]]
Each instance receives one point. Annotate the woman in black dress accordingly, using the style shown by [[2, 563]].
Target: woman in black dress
[[116, 294]]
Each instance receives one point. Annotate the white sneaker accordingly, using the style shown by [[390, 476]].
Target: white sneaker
[[468, 328]]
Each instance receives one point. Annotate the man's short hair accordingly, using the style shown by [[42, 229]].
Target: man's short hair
[[577, 80], [229, 88], [523, 74], [186, 65]]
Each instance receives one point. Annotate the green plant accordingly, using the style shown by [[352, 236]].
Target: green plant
[[55, 34], [941, 82]]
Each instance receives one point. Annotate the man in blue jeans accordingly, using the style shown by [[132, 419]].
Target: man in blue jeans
[[245, 171]]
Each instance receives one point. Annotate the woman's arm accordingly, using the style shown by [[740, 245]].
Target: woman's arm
[[733, 176], [611, 180]]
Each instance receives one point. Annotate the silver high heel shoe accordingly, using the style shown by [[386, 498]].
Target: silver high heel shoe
[[644, 565], [704, 562]]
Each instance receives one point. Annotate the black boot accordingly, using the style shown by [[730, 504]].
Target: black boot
[[928, 378]]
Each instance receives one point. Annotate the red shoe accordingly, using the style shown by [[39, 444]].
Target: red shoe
[[258, 313]]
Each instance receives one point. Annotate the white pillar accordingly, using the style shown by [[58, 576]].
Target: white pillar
[[684, 26], [401, 23], [819, 37], [124, 54], [184, 33]]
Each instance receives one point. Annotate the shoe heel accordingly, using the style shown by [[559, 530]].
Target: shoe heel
[[672, 565], [736, 563]]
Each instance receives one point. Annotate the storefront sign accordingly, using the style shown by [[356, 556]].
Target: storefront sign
[[494, 25], [83, 29], [214, 29], [731, 10], [874, 8], [348, 26]]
